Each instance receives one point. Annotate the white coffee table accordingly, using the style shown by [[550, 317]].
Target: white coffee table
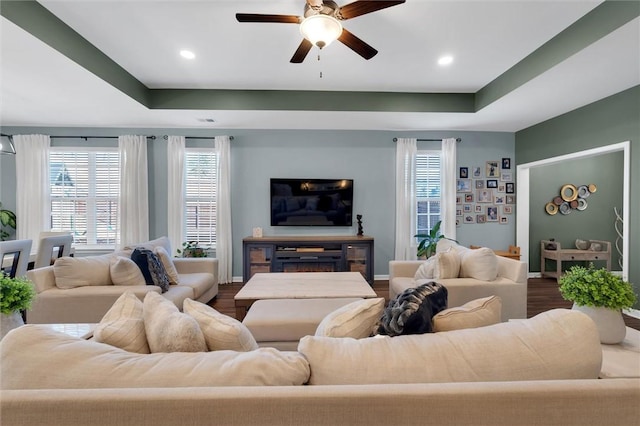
[[80, 330], [301, 285]]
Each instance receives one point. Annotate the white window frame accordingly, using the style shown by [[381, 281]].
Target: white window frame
[[418, 198], [90, 199], [211, 233]]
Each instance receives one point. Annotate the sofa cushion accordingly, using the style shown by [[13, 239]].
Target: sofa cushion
[[169, 267], [152, 244], [168, 329], [220, 331], [555, 345], [124, 271], [199, 282], [356, 319], [446, 265], [426, 271], [412, 311], [36, 357], [123, 325], [151, 268], [477, 313], [72, 272], [480, 264]]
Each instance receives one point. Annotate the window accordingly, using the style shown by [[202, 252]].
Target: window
[[85, 185], [201, 167], [428, 193]]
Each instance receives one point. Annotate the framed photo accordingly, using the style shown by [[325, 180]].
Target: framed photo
[[492, 214], [478, 208], [510, 187], [499, 199], [493, 169], [510, 199], [506, 177], [458, 199], [479, 184], [480, 218], [477, 172], [504, 220], [464, 172], [469, 219], [458, 212], [463, 185], [492, 183], [506, 163], [468, 198], [466, 208], [484, 196], [501, 187], [507, 209], [458, 222]]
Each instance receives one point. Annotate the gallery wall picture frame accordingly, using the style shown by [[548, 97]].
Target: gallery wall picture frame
[[501, 187], [510, 199], [467, 208], [479, 184], [478, 208], [468, 218], [463, 185], [504, 220], [492, 169], [506, 163], [507, 209], [481, 218], [484, 196], [492, 214], [506, 177], [458, 199], [458, 212], [468, 198], [464, 172], [510, 187], [499, 199], [492, 183], [477, 172]]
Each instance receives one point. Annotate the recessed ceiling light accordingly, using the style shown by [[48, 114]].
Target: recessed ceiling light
[[187, 54], [445, 60]]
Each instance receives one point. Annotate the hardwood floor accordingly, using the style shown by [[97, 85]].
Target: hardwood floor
[[543, 294]]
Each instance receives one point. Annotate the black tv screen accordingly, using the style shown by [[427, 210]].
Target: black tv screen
[[311, 202]]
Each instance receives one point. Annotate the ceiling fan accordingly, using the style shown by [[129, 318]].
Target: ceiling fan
[[320, 24]]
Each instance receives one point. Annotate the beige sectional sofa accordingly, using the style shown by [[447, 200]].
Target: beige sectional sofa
[[496, 275], [93, 291], [541, 371]]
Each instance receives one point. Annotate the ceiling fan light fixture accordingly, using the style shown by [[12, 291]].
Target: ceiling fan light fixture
[[321, 30]]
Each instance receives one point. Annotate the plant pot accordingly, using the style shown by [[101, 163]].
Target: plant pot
[[610, 323], [10, 321], [194, 252]]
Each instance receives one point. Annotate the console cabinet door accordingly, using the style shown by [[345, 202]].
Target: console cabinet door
[[258, 258], [358, 259]]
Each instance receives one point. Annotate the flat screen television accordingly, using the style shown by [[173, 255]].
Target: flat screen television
[[311, 202]]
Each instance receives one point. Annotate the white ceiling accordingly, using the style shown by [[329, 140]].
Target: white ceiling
[[41, 87]]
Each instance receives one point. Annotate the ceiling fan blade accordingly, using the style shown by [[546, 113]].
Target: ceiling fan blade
[[357, 45], [256, 17], [362, 7], [301, 52]]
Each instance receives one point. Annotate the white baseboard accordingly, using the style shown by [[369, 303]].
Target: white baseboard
[[632, 312]]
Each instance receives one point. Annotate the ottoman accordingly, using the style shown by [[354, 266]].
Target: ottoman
[[280, 323]]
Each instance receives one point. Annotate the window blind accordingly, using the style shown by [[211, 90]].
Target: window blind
[[428, 190], [200, 196]]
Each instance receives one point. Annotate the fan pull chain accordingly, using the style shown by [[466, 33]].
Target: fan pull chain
[[319, 61]]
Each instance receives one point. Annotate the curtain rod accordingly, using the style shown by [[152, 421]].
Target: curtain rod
[[429, 140], [83, 137], [166, 137]]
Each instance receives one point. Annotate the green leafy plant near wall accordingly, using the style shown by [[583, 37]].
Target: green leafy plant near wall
[[16, 294], [7, 220], [597, 288], [428, 242]]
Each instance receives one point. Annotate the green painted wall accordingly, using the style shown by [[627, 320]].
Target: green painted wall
[[611, 120]]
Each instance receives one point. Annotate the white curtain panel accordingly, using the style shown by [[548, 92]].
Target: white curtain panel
[[224, 246], [33, 207], [133, 205], [175, 190], [405, 198], [448, 188]]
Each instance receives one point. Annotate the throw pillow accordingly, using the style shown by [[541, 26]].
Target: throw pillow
[[412, 311], [446, 264], [151, 268], [123, 325], [426, 270], [72, 272], [165, 258], [125, 272], [152, 244], [356, 319], [480, 264], [221, 332], [474, 314], [168, 329]]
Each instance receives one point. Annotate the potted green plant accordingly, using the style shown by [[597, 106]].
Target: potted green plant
[[16, 294], [7, 220], [192, 249], [428, 242], [600, 294]]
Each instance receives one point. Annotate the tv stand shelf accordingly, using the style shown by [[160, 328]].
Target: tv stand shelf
[[308, 254]]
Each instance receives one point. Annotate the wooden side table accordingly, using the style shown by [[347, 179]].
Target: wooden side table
[[559, 255]]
